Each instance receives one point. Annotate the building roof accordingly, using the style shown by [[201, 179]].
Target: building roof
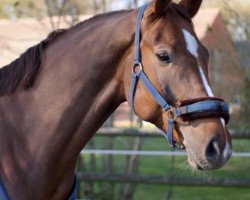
[[204, 20], [17, 36]]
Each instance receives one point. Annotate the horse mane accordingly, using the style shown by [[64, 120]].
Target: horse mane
[[24, 69]]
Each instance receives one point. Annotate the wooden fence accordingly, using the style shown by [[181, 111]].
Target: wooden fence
[[130, 177], [159, 180], [142, 132]]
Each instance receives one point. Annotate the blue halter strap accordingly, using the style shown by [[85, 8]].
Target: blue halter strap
[[3, 194], [208, 107], [74, 192]]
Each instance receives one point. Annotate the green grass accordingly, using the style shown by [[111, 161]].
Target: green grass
[[206, 193], [236, 168]]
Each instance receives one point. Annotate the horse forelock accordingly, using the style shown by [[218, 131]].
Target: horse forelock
[[177, 8], [182, 12]]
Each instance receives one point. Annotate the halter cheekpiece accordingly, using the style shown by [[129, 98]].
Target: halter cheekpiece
[[187, 110]]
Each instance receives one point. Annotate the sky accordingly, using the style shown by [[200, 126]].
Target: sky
[[123, 4]]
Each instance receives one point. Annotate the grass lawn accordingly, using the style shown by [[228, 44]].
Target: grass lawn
[[190, 193]]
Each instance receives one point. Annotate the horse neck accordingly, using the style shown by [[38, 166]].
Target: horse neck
[[91, 75], [80, 84]]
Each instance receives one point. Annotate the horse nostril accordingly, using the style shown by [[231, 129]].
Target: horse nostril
[[213, 150]]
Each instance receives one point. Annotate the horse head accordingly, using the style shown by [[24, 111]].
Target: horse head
[[176, 64]]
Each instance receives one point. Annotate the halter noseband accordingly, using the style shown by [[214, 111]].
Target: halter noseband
[[186, 110]]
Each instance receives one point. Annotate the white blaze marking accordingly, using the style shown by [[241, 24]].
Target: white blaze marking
[[205, 82], [192, 47], [227, 151], [223, 122], [191, 42]]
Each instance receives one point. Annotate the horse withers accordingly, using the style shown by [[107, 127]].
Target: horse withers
[[59, 92]]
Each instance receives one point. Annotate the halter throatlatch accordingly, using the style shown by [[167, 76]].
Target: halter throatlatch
[[186, 110]]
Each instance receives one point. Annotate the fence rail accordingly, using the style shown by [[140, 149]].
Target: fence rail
[[179, 181], [148, 153], [142, 132]]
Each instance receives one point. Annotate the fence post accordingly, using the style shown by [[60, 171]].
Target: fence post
[[131, 167], [79, 167], [107, 166], [170, 187], [88, 187]]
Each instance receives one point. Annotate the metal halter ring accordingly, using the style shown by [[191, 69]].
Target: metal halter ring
[[139, 70], [171, 114]]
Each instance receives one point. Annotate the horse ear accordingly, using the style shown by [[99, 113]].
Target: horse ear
[[161, 6], [191, 6]]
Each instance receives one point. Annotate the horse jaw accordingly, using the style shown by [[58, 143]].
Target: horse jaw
[[208, 144]]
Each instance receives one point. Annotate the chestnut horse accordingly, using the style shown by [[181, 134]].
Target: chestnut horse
[[59, 92]]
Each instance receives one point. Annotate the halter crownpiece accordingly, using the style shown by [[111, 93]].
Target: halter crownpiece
[[187, 109]]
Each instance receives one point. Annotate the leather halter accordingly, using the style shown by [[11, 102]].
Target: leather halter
[[3, 193], [186, 110]]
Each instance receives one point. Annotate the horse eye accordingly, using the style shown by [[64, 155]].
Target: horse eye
[[163, 56]]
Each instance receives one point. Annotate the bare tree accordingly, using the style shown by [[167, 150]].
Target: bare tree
[[236, 14], [62, 9], [133, 4], [238, 21], [99, 6]]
